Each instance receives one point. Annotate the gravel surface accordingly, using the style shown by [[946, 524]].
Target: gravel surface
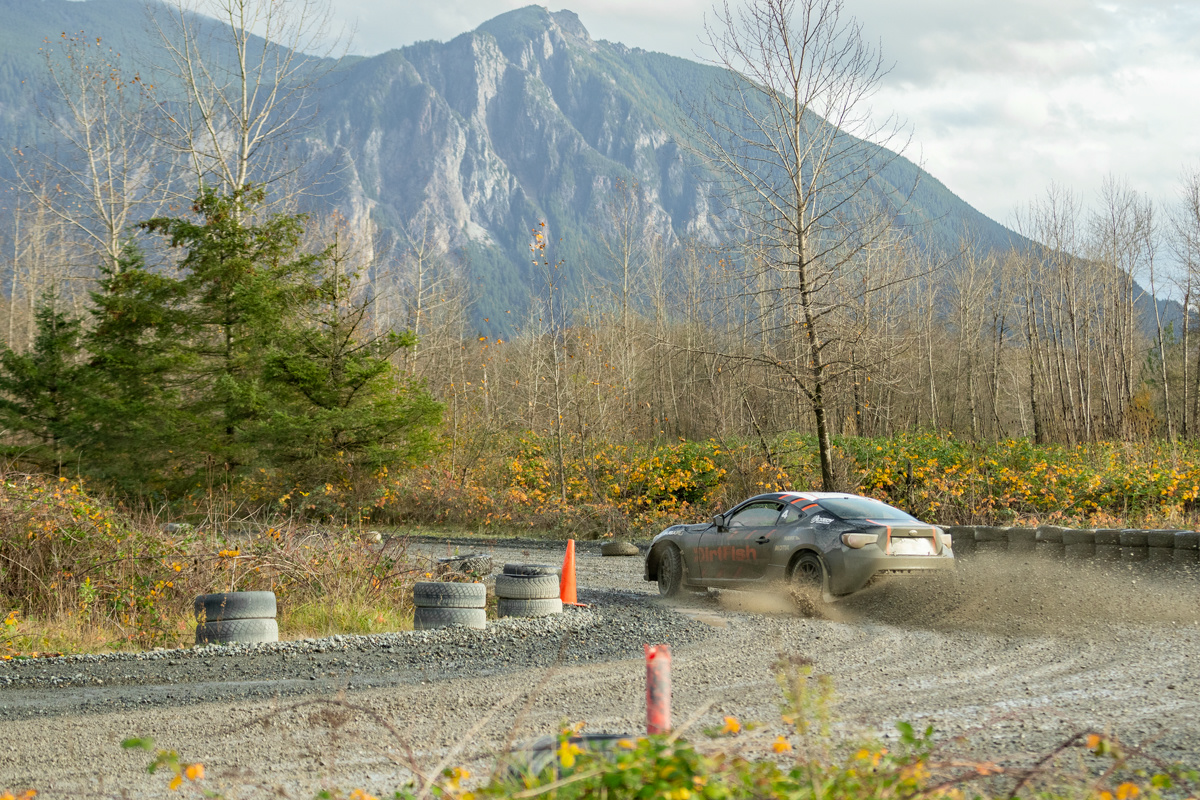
[[1006, 660]]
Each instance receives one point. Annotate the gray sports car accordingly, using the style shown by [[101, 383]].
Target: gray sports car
[[834, 541]]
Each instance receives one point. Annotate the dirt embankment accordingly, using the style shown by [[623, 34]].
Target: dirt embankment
[[1007, 659]]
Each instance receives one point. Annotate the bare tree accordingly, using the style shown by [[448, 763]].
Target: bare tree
[[791, 136], [1185, 243], [244, 87], [1115, 249], [98, 171]]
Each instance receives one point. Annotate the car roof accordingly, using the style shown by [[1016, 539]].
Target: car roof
[[796, 497], [819, 495]]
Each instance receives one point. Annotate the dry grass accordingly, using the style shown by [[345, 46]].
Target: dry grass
[[78, 574]]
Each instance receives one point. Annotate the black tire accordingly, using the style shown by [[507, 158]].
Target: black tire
[[1048, 534], [990, 533], [619, 549], [1161, 538], [243, 631], [471, 564], [532, 587], [449, 595], [808, 585], [1081, 536], [529, 570], [234, 605], [1133, 537], [425, 619], [809, 572], [511, 607], [672, 572]]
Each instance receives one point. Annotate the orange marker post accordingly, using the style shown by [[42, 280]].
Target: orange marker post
[[566, 585], [658, 688]]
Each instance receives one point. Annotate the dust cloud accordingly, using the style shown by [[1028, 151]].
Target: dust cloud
[[1022, 593]]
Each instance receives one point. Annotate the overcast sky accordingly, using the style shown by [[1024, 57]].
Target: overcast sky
[[1002, 97]]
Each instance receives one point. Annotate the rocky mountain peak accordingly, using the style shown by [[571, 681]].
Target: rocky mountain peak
[[515, 31], [568, 22]]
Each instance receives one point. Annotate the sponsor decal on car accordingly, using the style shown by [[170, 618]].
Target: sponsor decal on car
[[726, 553], [822, 520]]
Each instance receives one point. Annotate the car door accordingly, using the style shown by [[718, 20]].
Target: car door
[[740, 549]]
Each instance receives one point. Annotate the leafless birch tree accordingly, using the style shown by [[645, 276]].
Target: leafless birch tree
[[97, 174], [244, 86], [790, 134]]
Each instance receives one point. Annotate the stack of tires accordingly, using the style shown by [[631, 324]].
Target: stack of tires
[[528, 590], [439, 605], [236, 617]]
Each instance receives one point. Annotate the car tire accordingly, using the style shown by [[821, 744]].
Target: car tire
[[425, 619], [532, 587], [672, 572], [234, 605], [619, 549], [530, 570], [808, 585], [449, 595], [472, 563], [543, 607], [238, 631], [809, 571]]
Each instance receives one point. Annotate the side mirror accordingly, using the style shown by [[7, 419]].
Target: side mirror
[[718, 520]]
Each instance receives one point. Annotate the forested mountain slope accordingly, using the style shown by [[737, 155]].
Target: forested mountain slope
[[524, 120]]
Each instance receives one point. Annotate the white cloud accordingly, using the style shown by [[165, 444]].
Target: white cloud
[[1007, 103]]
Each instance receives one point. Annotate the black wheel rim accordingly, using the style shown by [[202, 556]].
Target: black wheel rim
[[808, 571]]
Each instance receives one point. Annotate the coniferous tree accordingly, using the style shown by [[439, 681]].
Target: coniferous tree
[[343, 404], [243, 280], [42, 390], [276, 363], [138, 356]]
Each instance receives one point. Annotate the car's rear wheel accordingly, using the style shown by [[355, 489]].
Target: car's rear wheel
[[672, 572], [809, 571], [808, 584]]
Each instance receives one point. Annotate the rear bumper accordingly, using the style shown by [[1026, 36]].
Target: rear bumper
[[850, 570]]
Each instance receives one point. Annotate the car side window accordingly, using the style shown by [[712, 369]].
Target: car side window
[[755, 515], [789, 515]]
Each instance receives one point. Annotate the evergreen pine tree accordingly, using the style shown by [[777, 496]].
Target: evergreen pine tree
[[276, 365], [344, 407], [138, 360], [243, 280], [42, 391]]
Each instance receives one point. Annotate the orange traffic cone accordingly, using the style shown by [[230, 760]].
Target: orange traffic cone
[[567, 583]]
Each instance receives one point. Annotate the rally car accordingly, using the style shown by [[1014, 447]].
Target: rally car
[[834, 541]]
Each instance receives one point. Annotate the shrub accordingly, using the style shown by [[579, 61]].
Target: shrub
[[73, 562]]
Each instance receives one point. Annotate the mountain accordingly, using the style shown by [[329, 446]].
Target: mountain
[[524, 120], [528, 119]]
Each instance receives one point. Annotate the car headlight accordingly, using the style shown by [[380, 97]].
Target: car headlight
[[859, 540]]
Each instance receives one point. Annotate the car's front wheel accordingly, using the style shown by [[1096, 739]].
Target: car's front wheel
[[672, 572]]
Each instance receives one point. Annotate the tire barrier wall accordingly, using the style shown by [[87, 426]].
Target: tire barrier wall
[[236, 618], [1112, 545], [439, 605], [528, 590]]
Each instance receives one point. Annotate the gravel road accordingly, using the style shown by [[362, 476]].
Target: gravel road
[[1006, 660]]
